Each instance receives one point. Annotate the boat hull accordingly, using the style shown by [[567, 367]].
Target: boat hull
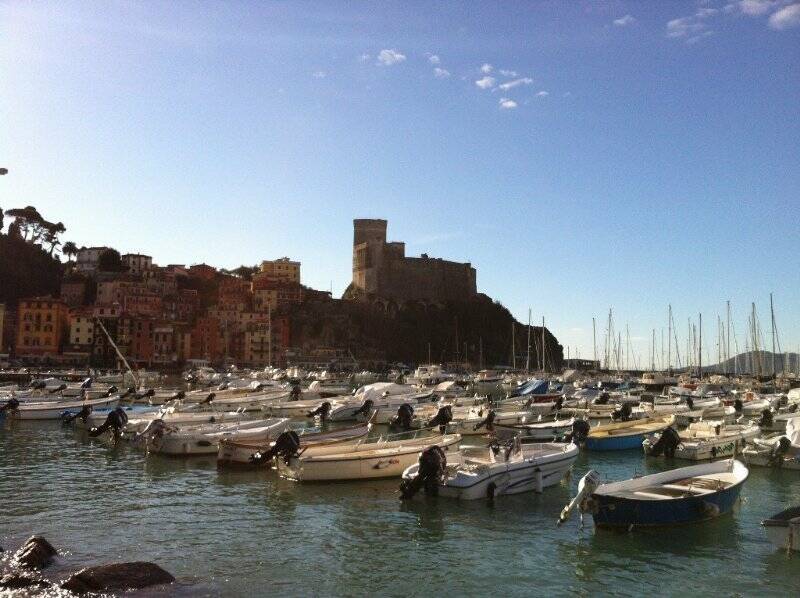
[[617, 443]]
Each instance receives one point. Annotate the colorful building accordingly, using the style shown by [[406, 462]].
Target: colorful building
[[42, 328], [283, 269]]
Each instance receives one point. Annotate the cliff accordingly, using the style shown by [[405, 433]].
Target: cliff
[[385, 331]]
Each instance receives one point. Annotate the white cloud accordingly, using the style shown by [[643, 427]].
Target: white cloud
[[441, 73], [624, 21], [787, 17], [696, 38], [434, 59], [364, 57], [390, 57], [704, 13], [320, 75], [486, 68], [755, 8], [506, 104], [507, 73], [683, 27], [515, 83], [542, 94], [485, 83]]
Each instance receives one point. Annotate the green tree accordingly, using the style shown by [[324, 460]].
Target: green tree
[[110, 261], [28, 220], [51, 232], [69, 249]]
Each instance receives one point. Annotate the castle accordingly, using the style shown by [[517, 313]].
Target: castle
[[383, 270]]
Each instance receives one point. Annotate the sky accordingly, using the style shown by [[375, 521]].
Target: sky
[[583, 156]]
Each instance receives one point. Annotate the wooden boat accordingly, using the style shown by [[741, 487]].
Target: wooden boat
[[513, 470], [383, 458], [56, 410], [625, 435], [709, 440], [236, 452], [204, 440], [684, 495], [783, 529]]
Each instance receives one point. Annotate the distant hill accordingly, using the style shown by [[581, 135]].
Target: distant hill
[[750, 362]]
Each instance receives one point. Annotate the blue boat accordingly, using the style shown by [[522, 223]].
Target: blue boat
[[625, 435], [684, 495]]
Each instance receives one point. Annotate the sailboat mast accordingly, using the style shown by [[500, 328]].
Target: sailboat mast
[[669, 341], [772, 319], [528, 357], [700, 351], [513, 345], [594, 339], [728, 335]]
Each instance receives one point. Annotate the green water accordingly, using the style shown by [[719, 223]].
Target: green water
[[251, 533]]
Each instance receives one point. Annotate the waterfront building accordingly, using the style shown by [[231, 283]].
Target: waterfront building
[[81, 327], [137, 263], [283, 269], [164, 344], [207, 339], [43, 326], [74, 290], [87, 259], [382, 269], [135, 338], [203, 272]]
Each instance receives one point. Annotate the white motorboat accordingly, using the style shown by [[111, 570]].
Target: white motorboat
[[544, 430], [779, 451], [708, 440], [57, 409], [173, 417], [167, 439], [723, 413], [783, 529], [362, 410], [235, 452], [382, 458], [510, 470]]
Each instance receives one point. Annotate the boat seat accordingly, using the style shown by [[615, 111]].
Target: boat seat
[[689, 490]]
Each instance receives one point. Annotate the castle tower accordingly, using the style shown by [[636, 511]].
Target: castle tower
[[369, 239]]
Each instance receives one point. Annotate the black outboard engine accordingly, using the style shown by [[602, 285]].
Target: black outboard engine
[[602, 399], [86, 384], [111, 390], [431, 473], [443, 417], [285, 445], [61, 388], [690, 403], [296, 392], [766, 420], [83, 415], [580, 431], [116, 421], [38, 385], [623, 413], [667, 443], [404, 417], [738, 407], [780, 449], [209, 398], [559, 405], [365, 409], [178, 396], [11, 405], [322, 411], [487, 422]]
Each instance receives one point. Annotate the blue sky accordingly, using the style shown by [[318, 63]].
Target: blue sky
[[582, 155]]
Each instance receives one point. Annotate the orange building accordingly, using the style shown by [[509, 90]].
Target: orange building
[[43, 326], [207, 339]]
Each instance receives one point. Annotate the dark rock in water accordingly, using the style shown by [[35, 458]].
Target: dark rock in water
[[36, 553], [117, 576], [17, 580]]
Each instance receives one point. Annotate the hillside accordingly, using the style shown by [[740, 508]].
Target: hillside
[[26, 270]]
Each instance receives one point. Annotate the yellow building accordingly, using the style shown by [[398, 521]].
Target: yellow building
[[282, 269], [42, 327], [81, 327]]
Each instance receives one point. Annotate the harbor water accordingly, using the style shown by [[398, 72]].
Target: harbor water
[[243, 533]]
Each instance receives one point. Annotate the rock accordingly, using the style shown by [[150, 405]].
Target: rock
[[36, 553], [117, 576], [17, 580]]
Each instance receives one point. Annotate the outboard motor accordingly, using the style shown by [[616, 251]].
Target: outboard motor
[[404, 417], [116, 421], [111, 390], [766, 419], [623, 413], [285, 446], [322, 412], [443, 417], [178, 396], [781, 448], [667, 443], [83, 415], [431, 473], [690, 403], [296, 392], [209, 398], [602, 399], [487, 422], [38, 385], [559, 405], [365, 409], [580, 431], [86, 384], [738, 407], [61, 388], [11, 405]]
